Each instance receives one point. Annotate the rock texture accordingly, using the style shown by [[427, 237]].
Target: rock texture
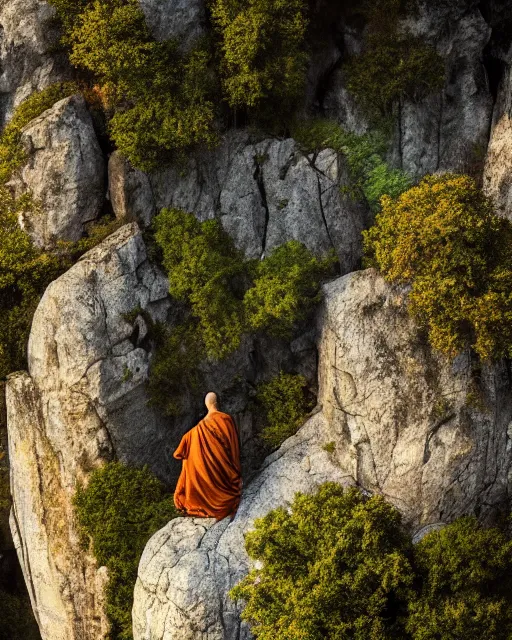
[[188, 566], [76, 409], [63, 172], [498, 162], [182, 20], [267, 193], [129, 191], [28, 58], [431, 435]]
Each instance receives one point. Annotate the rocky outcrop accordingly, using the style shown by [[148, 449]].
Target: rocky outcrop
[[63, 172], [180, 20], [498, 163], [432, 436], [267, 193], [81, 404], [29, 62], [188, 567]]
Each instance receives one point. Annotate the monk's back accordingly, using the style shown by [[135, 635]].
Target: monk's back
[[210, 480]]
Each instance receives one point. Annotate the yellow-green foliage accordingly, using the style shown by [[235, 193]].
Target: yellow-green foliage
[[443, 237], [394, 63], [24, 274], [336, 565], [262, 50], [286, 288], [160, 99], [370, 175], [285, 404], [118, 511], [339, 565], [201, 262], [11, 152], [465, 580]]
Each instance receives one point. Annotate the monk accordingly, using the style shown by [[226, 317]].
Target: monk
[[210, 483]]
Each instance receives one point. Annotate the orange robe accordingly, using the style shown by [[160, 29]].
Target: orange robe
[[210, 482]]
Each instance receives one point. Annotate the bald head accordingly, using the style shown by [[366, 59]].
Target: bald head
[[211, 401]]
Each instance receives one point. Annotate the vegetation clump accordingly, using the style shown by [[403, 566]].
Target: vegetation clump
[[339, 564], [159, 98], [262, 57], [443, 238], [394, 64], [334, 565], [118, 511], [286, 403]]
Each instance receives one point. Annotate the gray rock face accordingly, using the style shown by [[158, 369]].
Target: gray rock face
[[130, 191], [405, 423], [498, 163], [268, 193], [182, 20], [188, 566], [63, 172], [82, 404], [28, 62], [428, 434]]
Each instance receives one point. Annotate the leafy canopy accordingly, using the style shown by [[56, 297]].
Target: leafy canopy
[[285, 404], [443, 238], [338, 565], [335, 565], [262, 57], [118, 511]]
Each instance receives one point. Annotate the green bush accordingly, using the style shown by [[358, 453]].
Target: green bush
[[11, 153], [466, 584], [394, 64], [202, 263], [262, 51], [286, 288], [335, 565], [443, 238], [370, 175], [161, 101], [25, 272], [339, 565], [118, 511], [286, 403]]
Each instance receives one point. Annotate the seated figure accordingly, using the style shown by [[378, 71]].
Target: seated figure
[[210, 482]]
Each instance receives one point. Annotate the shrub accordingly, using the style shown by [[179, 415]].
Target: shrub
[[285, 404], [11, 153], [443, 237], [201, 262], [161, 100], [466, 584], [17, 621], [394, 64], [286, 288], [338, 564], [370, 175], [118, 511], [24, 274], [261, 51], [335, 565]]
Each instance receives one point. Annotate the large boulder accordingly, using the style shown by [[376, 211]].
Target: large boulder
[[29, 57], [266, 193], [63, 171], [431, 435], [82, 403], [188, 566]]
